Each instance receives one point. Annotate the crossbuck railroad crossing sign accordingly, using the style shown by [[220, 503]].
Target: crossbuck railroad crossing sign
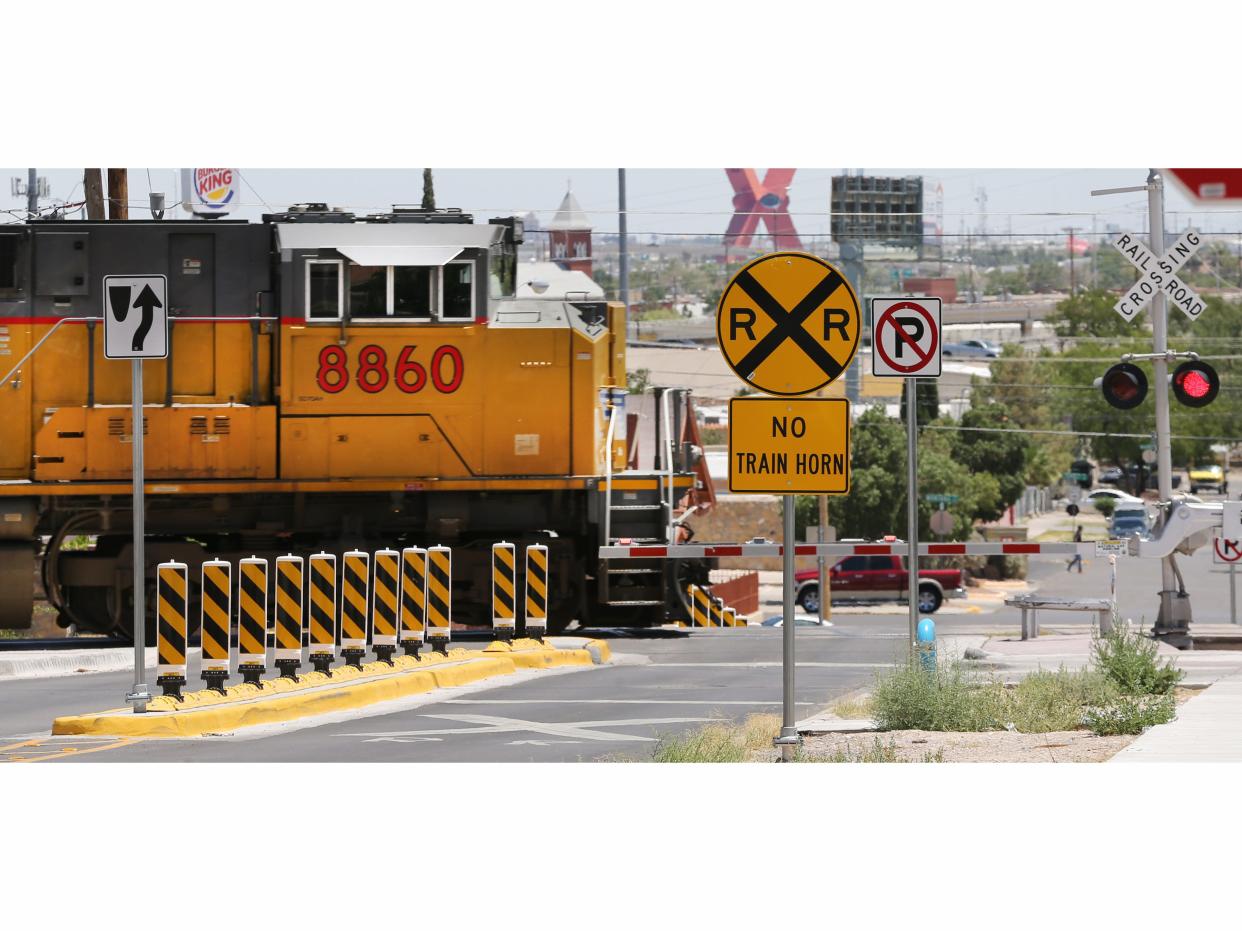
[[1158, 274], [788, 323], [906, 340]]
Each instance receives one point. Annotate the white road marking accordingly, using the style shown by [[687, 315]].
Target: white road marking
[[489, 724], [400, 740], [615, 701], [541, 743], [766, 665]]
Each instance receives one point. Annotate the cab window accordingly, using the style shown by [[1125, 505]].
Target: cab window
[[411, 291], [368, 291], [324, 289], [457, 291], [853, 564]]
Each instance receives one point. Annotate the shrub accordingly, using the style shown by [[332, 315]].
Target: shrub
[[1106, 506], [944, 699], [1054, 701], [1129, 714], [1128, 660], [720, 743]]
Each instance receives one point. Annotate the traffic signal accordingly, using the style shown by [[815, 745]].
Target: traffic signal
[[1196, 384], [1125, 385]]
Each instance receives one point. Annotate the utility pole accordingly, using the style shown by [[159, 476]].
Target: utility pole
[[624, 258], [92, 184], [32, 193], [118, 194], [1070, 230]]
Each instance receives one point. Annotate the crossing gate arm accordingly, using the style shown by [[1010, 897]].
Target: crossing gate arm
[[1188, 527], [897, 548]]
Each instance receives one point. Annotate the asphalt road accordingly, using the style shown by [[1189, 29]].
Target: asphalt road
[[661, 684]]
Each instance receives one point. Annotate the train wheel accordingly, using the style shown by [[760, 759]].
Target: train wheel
[[91, 607]]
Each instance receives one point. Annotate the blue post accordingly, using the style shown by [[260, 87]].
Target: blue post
[[926, 636]]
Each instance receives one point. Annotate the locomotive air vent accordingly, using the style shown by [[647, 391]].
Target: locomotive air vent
[[221, 425], [198, 426], [116, 426]]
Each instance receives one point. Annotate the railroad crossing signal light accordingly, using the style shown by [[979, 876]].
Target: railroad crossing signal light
[[1124, 385], [1196, 384]]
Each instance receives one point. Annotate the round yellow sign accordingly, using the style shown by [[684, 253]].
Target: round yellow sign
[[788, 323]]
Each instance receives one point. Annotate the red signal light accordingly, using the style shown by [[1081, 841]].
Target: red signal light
[[1124, 385], [1196, 384]]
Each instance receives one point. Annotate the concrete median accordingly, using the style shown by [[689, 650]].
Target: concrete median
[[347, 688]]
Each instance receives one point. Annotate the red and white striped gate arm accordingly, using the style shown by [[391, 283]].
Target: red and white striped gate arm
[[708, 550]]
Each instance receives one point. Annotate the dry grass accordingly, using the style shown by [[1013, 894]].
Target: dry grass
[[853, 708], [720, 743]]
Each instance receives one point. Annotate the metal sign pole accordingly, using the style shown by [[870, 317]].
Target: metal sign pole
[[789, 741], [1233, 593], [912, 508], [139, 694]]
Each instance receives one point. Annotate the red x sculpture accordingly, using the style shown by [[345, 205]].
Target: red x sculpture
[[768, 201]]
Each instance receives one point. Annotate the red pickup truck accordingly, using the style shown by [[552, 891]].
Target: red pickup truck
[[878, 578]]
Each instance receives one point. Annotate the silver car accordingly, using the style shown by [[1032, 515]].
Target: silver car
[[976, 348]]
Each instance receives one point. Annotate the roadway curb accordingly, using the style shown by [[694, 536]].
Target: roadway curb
[[206, 712], [45, 664]]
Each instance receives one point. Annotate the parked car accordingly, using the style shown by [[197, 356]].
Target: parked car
[[1126, 523], [1111, 475], [878, 578], [979, 348], [1207, 477], [1117, 496]]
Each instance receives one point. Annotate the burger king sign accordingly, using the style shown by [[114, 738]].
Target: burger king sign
[[209, 191]]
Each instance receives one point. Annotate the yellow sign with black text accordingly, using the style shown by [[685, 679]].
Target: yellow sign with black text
[[786, 447], [788, 323]]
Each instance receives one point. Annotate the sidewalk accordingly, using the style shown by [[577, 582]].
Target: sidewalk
[[1208, 727]]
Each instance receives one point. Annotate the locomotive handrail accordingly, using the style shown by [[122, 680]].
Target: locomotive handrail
[[668, 447], [612, 425], [57, 325]]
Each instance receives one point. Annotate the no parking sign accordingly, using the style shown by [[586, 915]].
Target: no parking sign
[[906, 337]]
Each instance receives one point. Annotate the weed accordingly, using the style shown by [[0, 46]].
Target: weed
[[1045, 701], [878, 752], [853, 709], [911, 698], [1128, 660], [719, 743], [1129, 714]]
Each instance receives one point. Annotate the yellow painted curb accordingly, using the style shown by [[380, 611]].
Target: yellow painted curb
[[348, 688]]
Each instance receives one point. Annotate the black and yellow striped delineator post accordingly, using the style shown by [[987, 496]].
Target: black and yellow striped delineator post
[[717, 615], [384, 605], [355, 586], [322, 611], [289, 615], [439, 597], [172, 582], [504, 590], [700, 606], [413, 598], [536, 590], [215, 624], [730, 617], [252, 619]]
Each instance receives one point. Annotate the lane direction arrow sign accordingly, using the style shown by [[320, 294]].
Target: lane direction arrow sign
[[135, 316]]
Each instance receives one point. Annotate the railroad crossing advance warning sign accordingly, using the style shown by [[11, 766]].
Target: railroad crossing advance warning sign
[[1158, 274], [779, 446], [788, 323], [906, 337], [135, 316]]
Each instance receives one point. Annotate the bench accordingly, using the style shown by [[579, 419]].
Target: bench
[[1029, 604]]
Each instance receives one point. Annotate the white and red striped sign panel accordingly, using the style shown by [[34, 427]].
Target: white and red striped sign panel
[[708, 550]]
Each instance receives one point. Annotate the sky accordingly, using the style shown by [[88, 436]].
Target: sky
[[674, 201]]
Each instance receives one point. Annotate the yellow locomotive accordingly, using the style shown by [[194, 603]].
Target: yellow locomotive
[[333, 382]]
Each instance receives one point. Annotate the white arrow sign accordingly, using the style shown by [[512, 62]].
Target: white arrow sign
[[1158, 275]]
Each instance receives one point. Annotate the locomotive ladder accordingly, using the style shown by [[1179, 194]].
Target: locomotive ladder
[[640, 582]]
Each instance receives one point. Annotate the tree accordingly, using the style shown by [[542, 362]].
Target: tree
[[429, 191], [1089, 313], [927, 395], [989, 443]]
